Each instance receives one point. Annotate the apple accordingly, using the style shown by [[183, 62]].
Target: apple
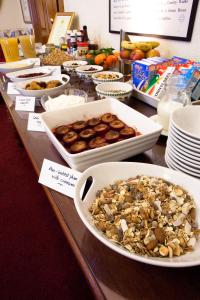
[[137, 54], [125, 54], [152, 53]]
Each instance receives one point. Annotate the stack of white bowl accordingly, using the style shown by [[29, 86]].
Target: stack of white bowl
[[183, 144]]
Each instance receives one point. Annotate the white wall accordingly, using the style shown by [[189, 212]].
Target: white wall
[[11, 15], [95, 14]]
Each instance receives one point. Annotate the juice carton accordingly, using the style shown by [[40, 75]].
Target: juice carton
[[142, 73], [158, 87], [179, 60]]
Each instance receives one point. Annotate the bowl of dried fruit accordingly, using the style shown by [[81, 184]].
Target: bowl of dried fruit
[[49, 85], [71, 65], [99, 131], [145, 212], [86, 72]]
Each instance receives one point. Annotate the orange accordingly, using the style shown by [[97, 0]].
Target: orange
[[100, 58]]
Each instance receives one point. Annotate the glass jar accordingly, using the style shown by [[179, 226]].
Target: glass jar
[[175, 95]]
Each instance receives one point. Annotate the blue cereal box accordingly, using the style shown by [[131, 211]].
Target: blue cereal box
[[142, 73]]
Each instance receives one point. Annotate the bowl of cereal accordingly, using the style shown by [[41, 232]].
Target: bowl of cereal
[[145, 212], [107, 76]]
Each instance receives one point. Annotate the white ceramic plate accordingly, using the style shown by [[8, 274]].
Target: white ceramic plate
[[183, 150], [113, 152], [179, 167], [16, 66], [176, 159], [20, 86], [123, 170], [187, 120], [155, 119], [176, 135], [182, 136], [184, 146], [107, 76], [14, 76], [183, 157]]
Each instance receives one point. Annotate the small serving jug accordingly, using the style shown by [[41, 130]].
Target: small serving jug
[[175, 95]]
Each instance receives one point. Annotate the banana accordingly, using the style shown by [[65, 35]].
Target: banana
[[128, 45], [143, 46], [153, 44]]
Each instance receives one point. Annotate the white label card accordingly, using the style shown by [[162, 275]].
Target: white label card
[[35, 123], [25, 103], [59, 178], [11, 90]]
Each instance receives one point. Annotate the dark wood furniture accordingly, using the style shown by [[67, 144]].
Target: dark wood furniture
[[110, 275]]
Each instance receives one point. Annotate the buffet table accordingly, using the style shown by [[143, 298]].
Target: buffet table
[[110, 275]]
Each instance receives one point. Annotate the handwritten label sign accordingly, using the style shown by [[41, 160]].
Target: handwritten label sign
[[35, 123], [24, 103], [58, 177], [11, 90]]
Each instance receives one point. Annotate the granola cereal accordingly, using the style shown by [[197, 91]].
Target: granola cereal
[[147, 216]]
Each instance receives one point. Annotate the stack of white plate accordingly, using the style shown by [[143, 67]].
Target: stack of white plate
[[183, 144]]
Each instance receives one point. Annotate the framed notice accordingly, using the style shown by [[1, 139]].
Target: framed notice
[[61, 24], [169, 19], [25, 11]]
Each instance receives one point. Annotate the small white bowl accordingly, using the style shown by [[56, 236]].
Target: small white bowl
[[86, 72], [107, 76], [64, 79], [187, 120], [71, 65], [119, 90]]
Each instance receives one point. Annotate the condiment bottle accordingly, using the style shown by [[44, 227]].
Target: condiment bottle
[[85, 34], [68, 37], [79, 36], [73, 43]]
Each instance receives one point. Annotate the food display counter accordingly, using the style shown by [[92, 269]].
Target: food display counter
[[109, 274]]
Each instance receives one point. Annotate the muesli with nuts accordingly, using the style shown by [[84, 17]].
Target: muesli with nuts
[[147, 216]]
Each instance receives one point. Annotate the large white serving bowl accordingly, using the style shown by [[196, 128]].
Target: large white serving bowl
[[187, 120], [107, 76], [16, 65], [113, 152], [123, 170], [64, 79], [14, 76], [119, 90]]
